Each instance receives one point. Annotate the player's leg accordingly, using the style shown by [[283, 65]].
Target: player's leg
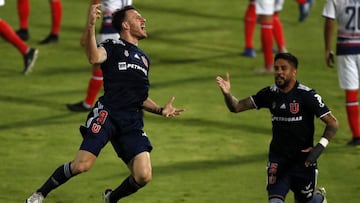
[[266, 25], [23, 10], [29, 54], [95, 137], [277, 188], [349, 81], [250, 25], [140, 168], [82, 163], [134, 149], [278, 33], [352, 112], [56, 15], [303, 185], [304, 9], [278, 30], [265, 11]]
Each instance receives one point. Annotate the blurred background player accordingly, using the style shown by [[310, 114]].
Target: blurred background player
[[29, 54], [23, 7], [250, 20], [348, 55], [304, 9], [106, 32], [271, 27]]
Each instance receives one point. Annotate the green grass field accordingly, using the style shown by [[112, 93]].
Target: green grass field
[[207, 154]]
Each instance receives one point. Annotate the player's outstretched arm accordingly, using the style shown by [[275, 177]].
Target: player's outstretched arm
[[168, 110], [233, 104]]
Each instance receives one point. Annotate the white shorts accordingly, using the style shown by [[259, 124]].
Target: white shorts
[[103, 37], [268, 7], [348, 71]]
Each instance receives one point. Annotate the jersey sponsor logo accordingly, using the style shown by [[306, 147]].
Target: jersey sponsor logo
[[122, 65], [126, 53], [294, 107], [137, 67], [287, 119]]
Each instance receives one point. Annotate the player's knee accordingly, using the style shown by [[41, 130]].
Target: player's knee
[[80, 167], [276, 200], [144, 177]]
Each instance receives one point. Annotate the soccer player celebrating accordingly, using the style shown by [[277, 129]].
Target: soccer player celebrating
[[106, 32], [118, 115], [348, 55], [293, 106]]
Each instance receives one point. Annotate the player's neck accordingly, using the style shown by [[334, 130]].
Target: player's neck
[[129, 38], [288, 87]]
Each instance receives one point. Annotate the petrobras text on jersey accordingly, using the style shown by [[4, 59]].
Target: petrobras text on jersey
[[286, 119], [124, 66]]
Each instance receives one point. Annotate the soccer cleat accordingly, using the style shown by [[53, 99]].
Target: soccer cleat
[[29, 60], [321, 191], [354, 142], [35, 198], [106, 195], [249, 52], [78, 107], [52, 38], [23, 34]]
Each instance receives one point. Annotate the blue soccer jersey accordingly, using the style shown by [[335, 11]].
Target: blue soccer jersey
[[125, 71], [292, 119]]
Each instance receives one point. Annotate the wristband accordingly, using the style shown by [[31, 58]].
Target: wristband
[[323, 141]]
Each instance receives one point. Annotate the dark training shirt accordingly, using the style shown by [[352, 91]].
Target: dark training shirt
[[125, 72], [292, 116]]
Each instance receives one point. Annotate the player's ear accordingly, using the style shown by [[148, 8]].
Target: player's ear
[[295, 71], [125, 25]]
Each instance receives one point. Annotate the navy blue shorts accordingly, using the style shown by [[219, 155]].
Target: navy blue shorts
[[122, 129], [295, 177]]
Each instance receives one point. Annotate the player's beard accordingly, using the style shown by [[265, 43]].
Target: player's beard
[[281, 82]]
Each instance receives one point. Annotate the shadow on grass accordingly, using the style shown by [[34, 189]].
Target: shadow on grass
[[199, 165]]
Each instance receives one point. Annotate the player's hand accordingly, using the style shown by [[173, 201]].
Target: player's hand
[[330, 59], [94, 14], [224, 84], [313, 155], [169, 110]]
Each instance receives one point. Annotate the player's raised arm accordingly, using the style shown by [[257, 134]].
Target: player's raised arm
[[233, 104], [94, 53]]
